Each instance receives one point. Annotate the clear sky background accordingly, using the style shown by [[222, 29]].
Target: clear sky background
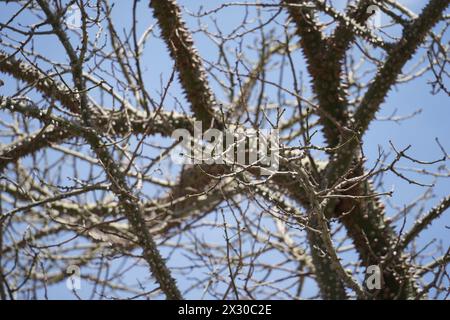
[[420, 131]]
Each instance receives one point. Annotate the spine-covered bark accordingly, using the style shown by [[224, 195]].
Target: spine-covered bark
[[374, 240], [401, 53], [119, 186], [132, 209], [42, 82], [324, 70], [190, 69]]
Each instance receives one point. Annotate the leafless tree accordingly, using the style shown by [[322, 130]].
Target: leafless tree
[[89, 186]]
